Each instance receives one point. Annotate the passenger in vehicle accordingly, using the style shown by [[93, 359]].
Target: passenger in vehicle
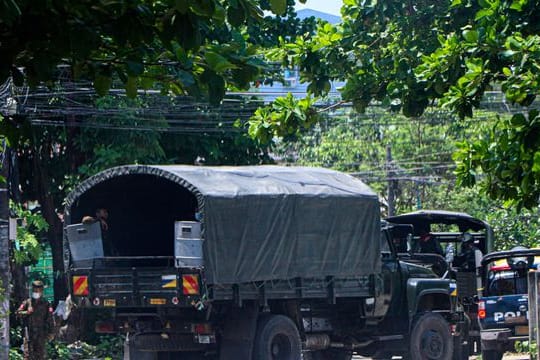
[[429, 245], [400, 244], [102, 215], [466, 258]]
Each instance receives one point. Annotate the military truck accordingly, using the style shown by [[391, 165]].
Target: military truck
[[503, 300], [450, 230], [257, 262]]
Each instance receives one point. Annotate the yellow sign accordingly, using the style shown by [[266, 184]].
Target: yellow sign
[[109, 302], [157, 301]]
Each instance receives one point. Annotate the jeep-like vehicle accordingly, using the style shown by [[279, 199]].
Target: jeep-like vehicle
[[503, 300], [461, 242], [259, 262]]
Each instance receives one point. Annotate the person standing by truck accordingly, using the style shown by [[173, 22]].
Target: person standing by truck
[[38, 323]]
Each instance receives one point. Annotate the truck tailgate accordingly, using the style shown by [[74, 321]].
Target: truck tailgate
[[129, 287], [508, 311]]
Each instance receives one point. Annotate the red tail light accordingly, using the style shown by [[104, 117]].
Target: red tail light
[[202, 329], [481, 310], [104, 327]]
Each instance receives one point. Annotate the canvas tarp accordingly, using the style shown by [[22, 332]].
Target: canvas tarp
[[271, 222]]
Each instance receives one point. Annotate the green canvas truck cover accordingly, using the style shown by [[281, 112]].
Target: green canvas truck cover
[[269, 222]]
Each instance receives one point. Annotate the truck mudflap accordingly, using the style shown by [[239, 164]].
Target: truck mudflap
[[167, 341]]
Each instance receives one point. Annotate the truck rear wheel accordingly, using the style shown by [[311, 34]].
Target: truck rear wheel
[[277, 338], [491, 355], [431, 338]]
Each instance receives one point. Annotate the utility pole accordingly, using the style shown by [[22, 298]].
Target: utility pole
[[391, 181], [4, 251]]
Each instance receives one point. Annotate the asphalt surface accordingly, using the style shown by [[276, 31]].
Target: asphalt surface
[[475, 357]]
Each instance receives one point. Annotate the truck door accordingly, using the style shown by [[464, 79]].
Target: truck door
[[385, 282]]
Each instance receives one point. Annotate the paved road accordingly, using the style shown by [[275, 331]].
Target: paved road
[[506, 357]]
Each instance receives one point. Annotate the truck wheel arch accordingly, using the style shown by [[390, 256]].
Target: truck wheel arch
[[429, 301]]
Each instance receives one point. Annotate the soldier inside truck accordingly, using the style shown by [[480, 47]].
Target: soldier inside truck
[[143, 210]]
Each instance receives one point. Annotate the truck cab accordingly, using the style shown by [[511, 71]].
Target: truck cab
[[503, 300]]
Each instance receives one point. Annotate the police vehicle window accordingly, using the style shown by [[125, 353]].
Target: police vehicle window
[[508, 282], [501, 283]]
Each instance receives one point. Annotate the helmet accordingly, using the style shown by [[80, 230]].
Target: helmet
[[467, 238]]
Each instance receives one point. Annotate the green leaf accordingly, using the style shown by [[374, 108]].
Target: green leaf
[[470, 35], [536, 163], [483, 13], [181, 6], [236, 16], [102, 84], [218, 63], [203, 7], [131, 87], [147, 82], [518, 4], [134, 68], [279, 7]]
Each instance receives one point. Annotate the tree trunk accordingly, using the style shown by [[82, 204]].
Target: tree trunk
[[54, 233], [4, 254]]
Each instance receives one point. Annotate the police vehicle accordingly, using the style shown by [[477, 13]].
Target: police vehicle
[[503, 300]]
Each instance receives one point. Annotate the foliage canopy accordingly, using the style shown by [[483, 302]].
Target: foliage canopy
[[410, 55]]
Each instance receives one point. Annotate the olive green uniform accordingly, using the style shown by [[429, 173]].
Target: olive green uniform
[[39, 322]]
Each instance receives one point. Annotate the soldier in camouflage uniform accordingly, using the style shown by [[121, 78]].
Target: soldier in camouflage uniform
[[38, 320]]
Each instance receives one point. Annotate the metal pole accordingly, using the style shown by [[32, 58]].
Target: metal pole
[[534, 288], [390, 175], [4, 252]]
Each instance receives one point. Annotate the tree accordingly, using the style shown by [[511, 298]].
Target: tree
[[410, 55], [107, 131], [196, 47], [422, 164], [180, 47]]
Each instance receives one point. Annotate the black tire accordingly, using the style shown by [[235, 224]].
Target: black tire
[[492, 355], [331, 354], [277, 338], [431, 338]]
